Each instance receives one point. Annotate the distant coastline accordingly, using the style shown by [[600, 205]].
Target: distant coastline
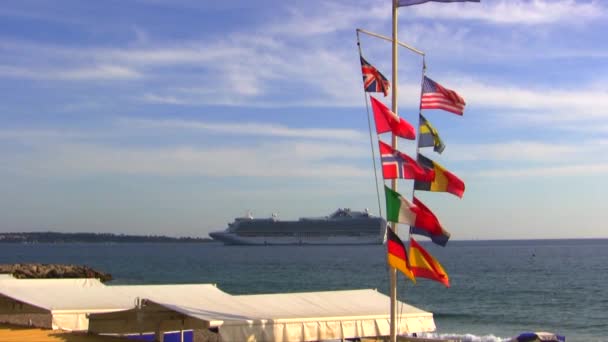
[[56, 237]]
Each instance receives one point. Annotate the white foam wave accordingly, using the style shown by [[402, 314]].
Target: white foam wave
[[466, 337]]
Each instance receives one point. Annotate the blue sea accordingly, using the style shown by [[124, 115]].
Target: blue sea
[[498, 288]]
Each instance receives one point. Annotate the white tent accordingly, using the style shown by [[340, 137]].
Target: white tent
[[306, 316], [81, 304], [65, 303], [57, 303], [323, 315]]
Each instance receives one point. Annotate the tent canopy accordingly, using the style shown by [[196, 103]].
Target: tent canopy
[[81, 304], [65, 301], [69, 301], [270, 317]]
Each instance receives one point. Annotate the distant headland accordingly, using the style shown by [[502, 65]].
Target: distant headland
[[56, 237]]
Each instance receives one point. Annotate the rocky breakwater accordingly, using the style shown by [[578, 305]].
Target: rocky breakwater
[[48, 271]]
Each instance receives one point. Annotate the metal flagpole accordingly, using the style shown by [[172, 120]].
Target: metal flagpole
[[393, 226]]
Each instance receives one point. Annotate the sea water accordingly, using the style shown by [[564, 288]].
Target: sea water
[[498, 288]]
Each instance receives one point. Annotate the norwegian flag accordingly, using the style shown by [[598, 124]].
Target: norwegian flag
[[373, 80], [398, 165], [434, 96]]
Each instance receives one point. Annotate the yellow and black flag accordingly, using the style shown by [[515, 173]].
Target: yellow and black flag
[[429, 137]]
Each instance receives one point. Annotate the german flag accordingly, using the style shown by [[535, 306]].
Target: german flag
[[444, 181], [397, 256], [423, 265]]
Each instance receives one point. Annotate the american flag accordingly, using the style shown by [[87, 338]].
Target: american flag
[[398, 165], [373, 80], [434, 96]]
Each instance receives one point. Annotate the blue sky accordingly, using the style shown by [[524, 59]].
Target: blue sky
[[174, 117]]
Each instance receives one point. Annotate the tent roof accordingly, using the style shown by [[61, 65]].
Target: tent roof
[[64, 294], [92, 295], [299, 316], [326, 304], [269, 317]]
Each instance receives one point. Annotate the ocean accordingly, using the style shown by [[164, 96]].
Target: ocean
[[498, 288]]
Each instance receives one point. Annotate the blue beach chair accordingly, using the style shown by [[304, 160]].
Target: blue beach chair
[[539, 337]]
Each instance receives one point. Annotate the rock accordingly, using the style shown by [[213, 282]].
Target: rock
[[33, 271]]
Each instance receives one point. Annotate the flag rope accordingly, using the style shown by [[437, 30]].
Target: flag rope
[[418, 135], [371, 142]]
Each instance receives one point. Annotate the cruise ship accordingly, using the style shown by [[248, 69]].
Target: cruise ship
[[343, 227]]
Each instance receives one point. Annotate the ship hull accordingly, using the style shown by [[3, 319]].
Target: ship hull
[[233, 239]]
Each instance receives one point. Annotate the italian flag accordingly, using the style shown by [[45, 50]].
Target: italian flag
[[398, 208]]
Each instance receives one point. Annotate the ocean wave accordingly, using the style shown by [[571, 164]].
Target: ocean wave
[[466, 337]]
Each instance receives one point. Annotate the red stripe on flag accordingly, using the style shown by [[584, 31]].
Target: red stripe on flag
[[396, 249]]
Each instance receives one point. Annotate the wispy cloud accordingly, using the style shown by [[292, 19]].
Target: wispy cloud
[[515, 12], [98, 72], [301, 152], [297, 159], [327, 18], [248, 128], [40, 134], [565, 104], [547, 171], [529, 151]]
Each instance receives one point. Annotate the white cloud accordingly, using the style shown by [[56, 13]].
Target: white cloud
[[153, 98], [514, 12], [528, 151], [297, 159], [566, 104], [101, 72], [197, 53], [548, 171], [327, 18], [248, 128], [38, 134], [98, 72]]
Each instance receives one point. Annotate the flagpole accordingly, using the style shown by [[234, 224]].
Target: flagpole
[[392, 270]]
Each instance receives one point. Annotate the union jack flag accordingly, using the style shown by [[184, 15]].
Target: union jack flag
[[398, 165], [434, 96], [373, 80]]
